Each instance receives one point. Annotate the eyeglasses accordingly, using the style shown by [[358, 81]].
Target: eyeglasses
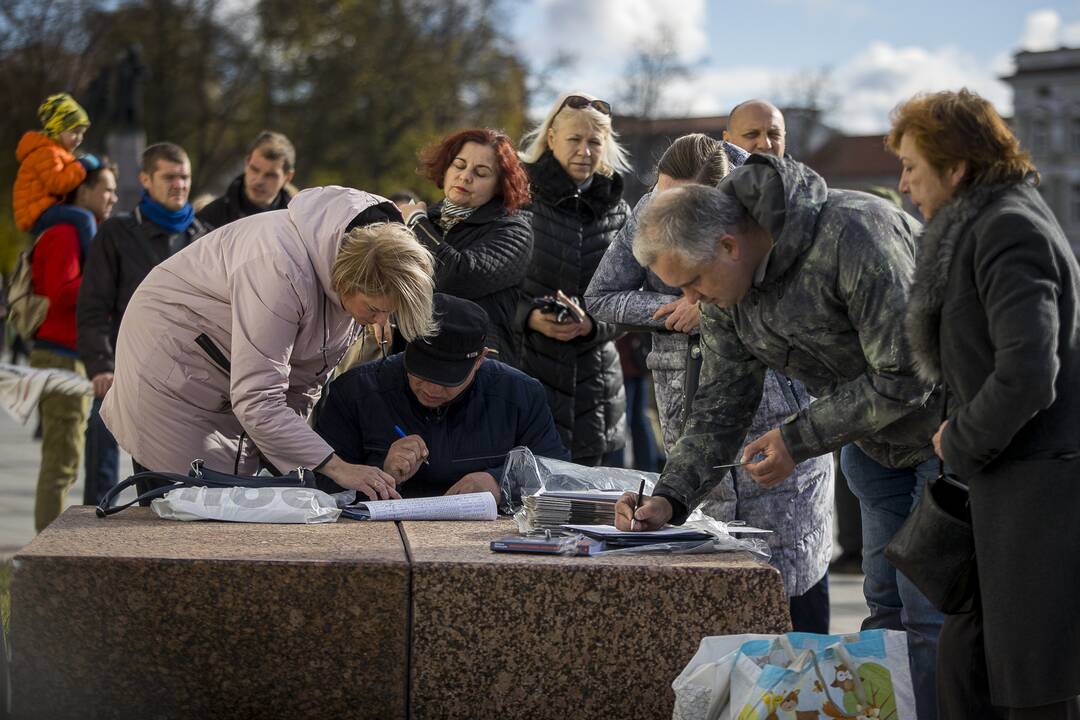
[[580, 102]]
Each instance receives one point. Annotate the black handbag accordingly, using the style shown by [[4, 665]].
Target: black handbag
[[199, 476], [935, 547]]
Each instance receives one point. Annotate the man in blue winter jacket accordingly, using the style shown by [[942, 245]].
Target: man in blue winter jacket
[[439, 417]]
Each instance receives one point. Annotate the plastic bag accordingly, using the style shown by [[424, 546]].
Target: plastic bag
[[241, 504], [751, 677], [525, 474]]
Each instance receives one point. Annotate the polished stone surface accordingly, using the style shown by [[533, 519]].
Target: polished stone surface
[[133, 616], [498, 635]]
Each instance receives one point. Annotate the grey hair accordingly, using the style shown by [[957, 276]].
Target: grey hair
[[688, 221]]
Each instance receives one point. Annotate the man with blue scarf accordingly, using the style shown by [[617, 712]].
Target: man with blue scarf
[[125, 250]]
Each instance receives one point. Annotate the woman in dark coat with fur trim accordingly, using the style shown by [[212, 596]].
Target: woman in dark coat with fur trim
[[573, 162], [994, 316]]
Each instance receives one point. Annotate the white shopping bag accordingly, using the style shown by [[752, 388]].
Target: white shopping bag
[[863, 676], [240, 504], [703, 688]]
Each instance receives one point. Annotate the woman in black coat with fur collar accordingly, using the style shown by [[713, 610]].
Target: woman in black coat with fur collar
[[994, 316], [573, 162]]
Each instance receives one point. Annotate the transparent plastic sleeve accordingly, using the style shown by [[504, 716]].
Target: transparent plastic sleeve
[[525, 474]]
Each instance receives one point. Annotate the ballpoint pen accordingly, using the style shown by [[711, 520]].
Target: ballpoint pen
[[401, 433], [637, 503], [732, 465]]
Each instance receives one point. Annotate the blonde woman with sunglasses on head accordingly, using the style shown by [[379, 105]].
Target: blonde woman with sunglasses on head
[[573, 160]]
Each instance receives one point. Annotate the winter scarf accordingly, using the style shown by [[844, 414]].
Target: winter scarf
[[173, 221], [937, 246], [453, 214]]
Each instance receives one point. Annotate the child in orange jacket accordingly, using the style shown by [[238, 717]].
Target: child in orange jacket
[[48, 170]]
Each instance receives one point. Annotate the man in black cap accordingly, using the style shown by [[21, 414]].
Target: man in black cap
[[441, 415]]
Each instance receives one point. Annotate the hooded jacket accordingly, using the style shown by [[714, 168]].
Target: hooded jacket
[[571, 230], [798, 510], [47, 173], [828, 312], [260, 291]]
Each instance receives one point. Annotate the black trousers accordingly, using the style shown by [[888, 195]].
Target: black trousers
[[810, 611], [963, 684]]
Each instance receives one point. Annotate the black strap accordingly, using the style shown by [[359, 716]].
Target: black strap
[[301, 477], [693, 376]]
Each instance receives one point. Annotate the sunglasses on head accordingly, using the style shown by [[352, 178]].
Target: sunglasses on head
[[580, 102]]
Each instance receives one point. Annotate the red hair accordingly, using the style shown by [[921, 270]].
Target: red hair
[[513, 182], [950, 127]]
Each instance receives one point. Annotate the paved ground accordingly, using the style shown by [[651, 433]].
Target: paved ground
[[20, 453]]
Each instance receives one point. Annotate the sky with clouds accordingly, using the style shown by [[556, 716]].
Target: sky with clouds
[[870, 54]]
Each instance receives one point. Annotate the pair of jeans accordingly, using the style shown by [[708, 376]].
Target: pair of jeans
[[102, 458], [643, 441], [886, 497], [62, 420]]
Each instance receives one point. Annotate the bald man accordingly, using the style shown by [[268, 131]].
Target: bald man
[[757, 126]]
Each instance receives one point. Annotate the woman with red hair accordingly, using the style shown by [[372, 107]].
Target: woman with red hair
[[480, 242]]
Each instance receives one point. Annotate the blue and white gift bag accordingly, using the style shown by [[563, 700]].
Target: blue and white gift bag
[[798, 676]]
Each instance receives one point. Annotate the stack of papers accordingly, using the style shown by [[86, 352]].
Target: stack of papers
[[583, 507]]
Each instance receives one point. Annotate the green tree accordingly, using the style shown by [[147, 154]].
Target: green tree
[[358, 85], [363, 84]]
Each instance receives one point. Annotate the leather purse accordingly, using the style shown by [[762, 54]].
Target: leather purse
[[935, 547]]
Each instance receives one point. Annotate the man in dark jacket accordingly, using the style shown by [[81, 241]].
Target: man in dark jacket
[[264, 184], [813, 283], [439, 417], [125, 249]]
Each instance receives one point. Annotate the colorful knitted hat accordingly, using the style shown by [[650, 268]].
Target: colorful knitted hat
[[60, 112]]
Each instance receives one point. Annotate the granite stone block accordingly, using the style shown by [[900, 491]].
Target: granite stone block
[[499, 635], [137, 617]]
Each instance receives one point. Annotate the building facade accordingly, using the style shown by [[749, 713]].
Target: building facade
[[1046, 107]]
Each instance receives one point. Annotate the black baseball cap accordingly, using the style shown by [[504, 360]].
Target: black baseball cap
[[447, 357]]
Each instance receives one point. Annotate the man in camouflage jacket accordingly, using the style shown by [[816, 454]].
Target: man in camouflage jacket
[[812, 283]]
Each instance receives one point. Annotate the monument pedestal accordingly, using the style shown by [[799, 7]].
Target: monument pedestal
[[497, 635], [133, 616]]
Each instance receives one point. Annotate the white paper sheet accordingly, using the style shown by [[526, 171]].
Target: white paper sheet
[[470, 506]]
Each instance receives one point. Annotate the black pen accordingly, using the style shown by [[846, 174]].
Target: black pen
[[637, 503]]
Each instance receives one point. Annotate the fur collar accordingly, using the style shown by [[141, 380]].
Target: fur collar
[[552, 183], [937, 246]]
